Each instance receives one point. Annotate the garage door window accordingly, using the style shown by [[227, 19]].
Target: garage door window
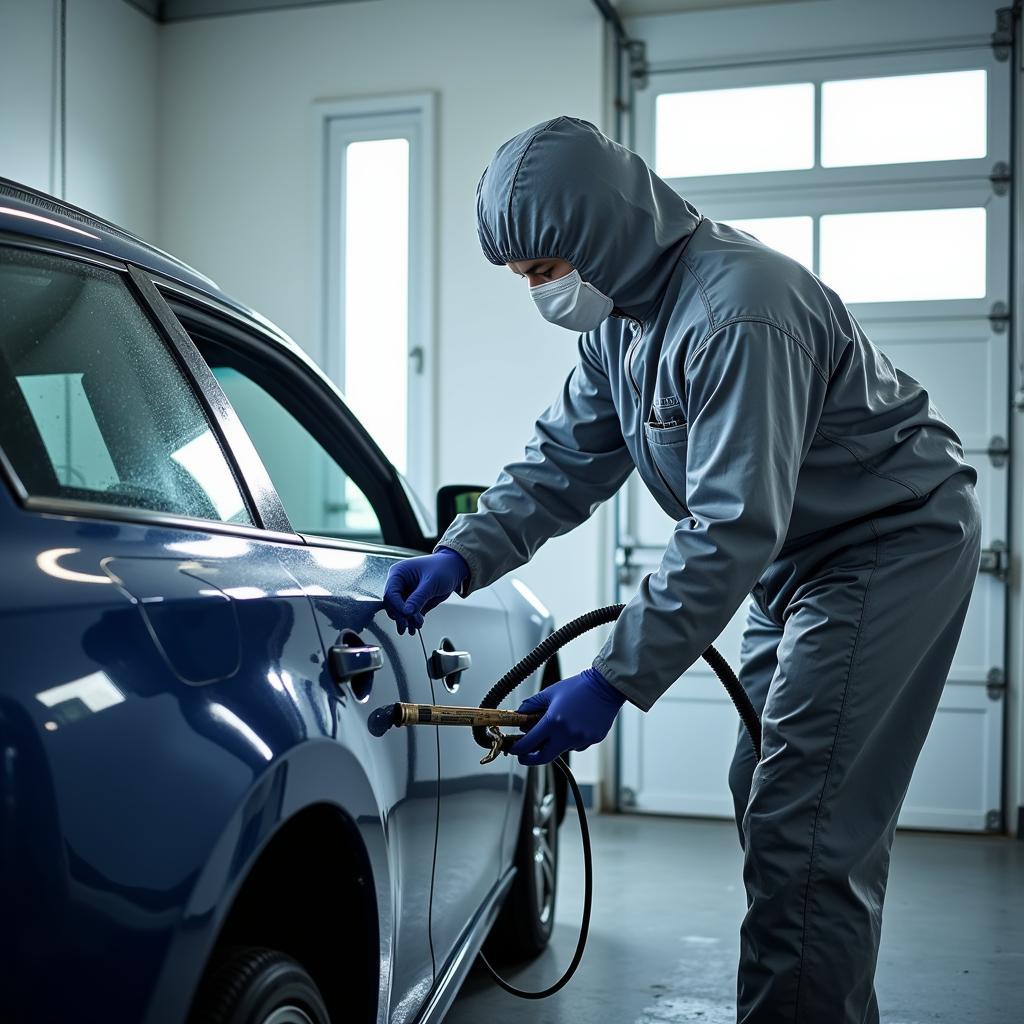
[[95, 407], [905, 255], [904, 119], [735, 131]]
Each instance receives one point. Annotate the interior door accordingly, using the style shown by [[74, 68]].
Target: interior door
[[862, 206]]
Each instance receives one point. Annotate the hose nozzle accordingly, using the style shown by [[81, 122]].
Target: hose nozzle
[[490, 719]]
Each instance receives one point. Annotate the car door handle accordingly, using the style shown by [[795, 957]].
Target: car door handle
[[349, 662], [445, 663]]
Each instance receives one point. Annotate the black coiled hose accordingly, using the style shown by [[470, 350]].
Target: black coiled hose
[[526, 666], [521, 671]]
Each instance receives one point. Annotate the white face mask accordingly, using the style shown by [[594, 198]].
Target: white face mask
[[572, 303]]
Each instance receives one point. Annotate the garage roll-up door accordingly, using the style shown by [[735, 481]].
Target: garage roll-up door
[[887, 175]]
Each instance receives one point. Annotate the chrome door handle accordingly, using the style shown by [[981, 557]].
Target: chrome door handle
[[348, 662]]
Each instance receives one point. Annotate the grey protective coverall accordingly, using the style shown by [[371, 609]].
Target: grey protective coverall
[[801, 468]]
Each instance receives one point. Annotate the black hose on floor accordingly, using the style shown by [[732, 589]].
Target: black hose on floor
[[521, 671]]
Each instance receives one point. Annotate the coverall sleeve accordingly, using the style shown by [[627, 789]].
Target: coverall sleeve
[[575, 460], [753, 398]]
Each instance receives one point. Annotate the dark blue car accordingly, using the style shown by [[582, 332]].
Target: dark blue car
[[195, 823]]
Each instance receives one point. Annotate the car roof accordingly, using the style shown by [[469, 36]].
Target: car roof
[[28, 212]]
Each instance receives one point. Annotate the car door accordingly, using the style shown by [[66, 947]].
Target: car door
[[159, 654], [474, 797], [342, 567]]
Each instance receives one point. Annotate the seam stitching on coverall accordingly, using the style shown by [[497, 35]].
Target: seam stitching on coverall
[[868, 469], [732, 321], [841, 721], [701, 286]]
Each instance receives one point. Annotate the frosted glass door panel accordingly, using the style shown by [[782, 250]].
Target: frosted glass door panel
[[377, 290], [904, 119]]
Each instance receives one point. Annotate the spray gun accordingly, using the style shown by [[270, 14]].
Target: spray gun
[[488, 719]]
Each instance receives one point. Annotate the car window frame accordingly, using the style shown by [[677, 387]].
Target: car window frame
[[361, 458], [218, 416]]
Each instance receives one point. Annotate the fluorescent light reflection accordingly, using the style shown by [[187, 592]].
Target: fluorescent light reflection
[[534, 601], [203, 461], [230, 719], [49, 562], [213, 547], [79, 698]]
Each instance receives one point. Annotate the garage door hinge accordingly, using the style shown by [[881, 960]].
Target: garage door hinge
[[998, 451], [994, 821], [1002, 38], [1001, 177], [636, 54], [627, 797], [999, 317], [996, 561], [995, 683]]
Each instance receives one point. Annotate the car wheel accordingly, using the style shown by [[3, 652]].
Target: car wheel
[[254, 985], [524, 926]]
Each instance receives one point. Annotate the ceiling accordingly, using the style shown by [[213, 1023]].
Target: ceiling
[[633, 8], [179, 10]]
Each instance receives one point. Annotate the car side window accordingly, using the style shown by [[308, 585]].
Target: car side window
[[95, 407], [319, 497]]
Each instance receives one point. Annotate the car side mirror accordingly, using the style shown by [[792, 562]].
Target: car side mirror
[[454, 500]]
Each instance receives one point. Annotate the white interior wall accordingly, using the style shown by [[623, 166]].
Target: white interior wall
[[112, 78], [27, 49], [111, 105], [237, 163]]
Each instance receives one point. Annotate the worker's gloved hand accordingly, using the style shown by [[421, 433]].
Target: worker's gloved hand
[[416, 585], [578, 711]]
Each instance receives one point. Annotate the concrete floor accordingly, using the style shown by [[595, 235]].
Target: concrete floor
[[667, 906]]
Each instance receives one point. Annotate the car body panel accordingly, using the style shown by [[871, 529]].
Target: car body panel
[[168, 709], [473, 800]]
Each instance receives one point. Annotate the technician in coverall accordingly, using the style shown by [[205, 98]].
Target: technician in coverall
[[801, 468]]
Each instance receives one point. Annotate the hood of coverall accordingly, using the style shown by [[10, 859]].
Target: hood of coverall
[[563, 189]]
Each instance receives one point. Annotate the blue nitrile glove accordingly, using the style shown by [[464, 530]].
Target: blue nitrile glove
[[416, 585], [578, 711]]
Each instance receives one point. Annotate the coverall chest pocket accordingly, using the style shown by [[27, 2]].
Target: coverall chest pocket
[[666, 437], [667, 446]]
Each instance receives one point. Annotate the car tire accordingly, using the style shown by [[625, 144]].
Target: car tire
[[255, 985], [524, 924]]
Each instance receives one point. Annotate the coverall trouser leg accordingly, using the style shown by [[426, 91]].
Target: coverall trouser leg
[[847, 680]]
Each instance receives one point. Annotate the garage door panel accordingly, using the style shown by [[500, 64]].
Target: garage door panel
[[676, 757], [877, 235], [962, 363], [956, 783]]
